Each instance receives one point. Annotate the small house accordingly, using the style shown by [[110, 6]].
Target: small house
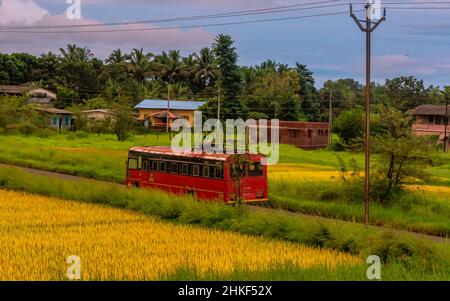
[[38, 96], [98, 114], [56, 118], [305, 135], [430, 120], [156, 112]]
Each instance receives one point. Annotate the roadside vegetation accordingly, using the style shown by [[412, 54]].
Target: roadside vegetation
[[43, 231], [322, 183], [408, 256]]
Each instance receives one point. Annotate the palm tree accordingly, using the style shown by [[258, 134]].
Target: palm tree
[[267, 66], [206, 69], [282, 68], [189, 67], [171, 70], [76, 54], [76, 69], [116, 57], [139, 64]]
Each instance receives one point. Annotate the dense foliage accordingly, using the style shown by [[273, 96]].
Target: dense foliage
[[270, 89]]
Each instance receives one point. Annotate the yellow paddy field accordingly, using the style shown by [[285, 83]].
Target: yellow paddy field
[[318, 173], [38, 233]]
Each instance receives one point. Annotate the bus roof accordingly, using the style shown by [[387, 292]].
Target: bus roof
[[164, 150]]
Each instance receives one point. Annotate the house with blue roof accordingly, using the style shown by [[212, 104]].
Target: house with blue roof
[[157, 112]]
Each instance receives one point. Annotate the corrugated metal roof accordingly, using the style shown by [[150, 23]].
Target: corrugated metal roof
[[22, 89], [174, 104], [162, 150], [106, 111], [15, 89], [430, 110], [54, 111]]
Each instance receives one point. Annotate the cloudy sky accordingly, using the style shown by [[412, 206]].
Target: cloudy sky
[[410, 42]]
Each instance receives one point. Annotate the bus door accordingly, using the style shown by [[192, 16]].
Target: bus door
[[239, 175]]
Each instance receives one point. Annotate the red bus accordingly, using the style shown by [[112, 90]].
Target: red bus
[[220, 177]]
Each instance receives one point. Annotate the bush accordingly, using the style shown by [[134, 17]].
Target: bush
[[45, 133], [411, 252]]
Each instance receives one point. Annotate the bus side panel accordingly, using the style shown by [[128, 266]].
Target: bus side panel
[[207, 189]]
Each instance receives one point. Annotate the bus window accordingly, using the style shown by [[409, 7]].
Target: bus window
[[163, 166], [139, 162], [174, 167], [255, 169], [206, 171], [132, 163], [145, 165], [238, 170], [154, 165], [195, 170], [185, 169], [218, 173]]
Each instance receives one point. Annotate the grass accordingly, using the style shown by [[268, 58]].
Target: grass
[[42, 232], [301, 182], [406, 256], [417, 211], [103, 157]]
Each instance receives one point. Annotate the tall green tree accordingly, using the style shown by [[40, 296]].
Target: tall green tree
[[229, 80], [46, 69], [345, 94], [139, 65], [206, 71], [308, 93], [350, 126], [122, 122], [78, 71], [405, 92], [275, 95], [401, 154]]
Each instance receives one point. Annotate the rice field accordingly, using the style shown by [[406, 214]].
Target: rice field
[[292, 173], [441, 190], [304, 172], [38, 233]]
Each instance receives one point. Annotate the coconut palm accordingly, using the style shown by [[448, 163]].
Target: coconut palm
[[73, 53], [116, 57], [139, 64], [206, 67]]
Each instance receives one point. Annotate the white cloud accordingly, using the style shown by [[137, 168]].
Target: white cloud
[[393, 61], [20, 12], [101, 43], [399, 64]]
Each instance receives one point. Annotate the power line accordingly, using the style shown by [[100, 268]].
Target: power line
[[417, 8], [179, 27], [277, 9]]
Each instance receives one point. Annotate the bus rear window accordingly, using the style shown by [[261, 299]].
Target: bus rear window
[[238, 170], [255, 169], [132, 163], [218, 172]]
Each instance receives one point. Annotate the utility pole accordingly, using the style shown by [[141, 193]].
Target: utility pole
[[369, 27], [330, 121], [218, 117], [218, 103], [446, 122], [168, 107]]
